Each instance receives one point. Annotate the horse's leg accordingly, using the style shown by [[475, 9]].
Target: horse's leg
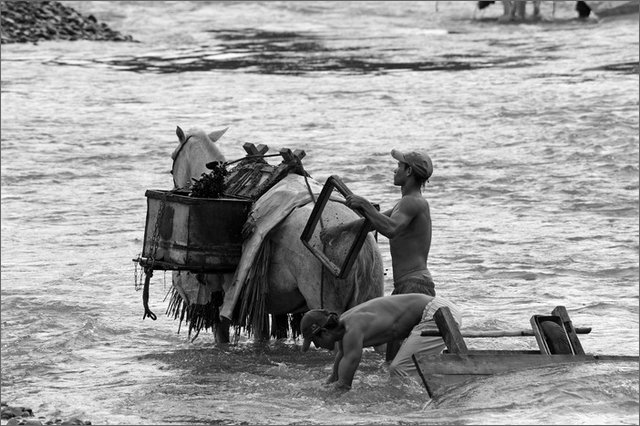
[[392, 349], [260, 328], [507, 11], [521, 6], [536, 9], [221, 325], [222, 331], [279, 326], [296, 319]]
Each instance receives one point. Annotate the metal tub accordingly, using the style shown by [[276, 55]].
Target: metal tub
[[196, 234]]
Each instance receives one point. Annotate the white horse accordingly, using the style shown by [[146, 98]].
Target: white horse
[[296, 280]]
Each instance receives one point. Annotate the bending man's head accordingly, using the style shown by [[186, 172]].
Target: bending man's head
[[313, 326]]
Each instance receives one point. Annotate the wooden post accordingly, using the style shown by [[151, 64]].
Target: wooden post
[[424, 381], [450, 331], [289, 156], [561, 312], [251, 149], [299, 153]]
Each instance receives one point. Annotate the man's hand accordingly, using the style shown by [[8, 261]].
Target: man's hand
[[356, 202]]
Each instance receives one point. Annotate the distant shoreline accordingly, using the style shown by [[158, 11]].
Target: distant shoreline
[[35, 21]]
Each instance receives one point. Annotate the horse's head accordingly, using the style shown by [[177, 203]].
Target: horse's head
[[195, 149]]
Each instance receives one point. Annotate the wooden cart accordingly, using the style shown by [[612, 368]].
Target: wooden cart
[[458, 363]]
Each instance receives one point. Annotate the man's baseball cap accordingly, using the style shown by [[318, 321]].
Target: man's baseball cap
[[419, 162], [311, 323]]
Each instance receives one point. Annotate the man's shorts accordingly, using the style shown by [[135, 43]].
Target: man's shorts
[[418, 345], [415, 282]]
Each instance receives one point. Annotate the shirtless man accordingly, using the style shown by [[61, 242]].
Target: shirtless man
[[407, 226], [372, 323]]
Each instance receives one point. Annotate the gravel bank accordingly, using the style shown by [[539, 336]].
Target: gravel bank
[[34, 21]]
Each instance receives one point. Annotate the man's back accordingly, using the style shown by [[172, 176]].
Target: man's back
[[384, 319]]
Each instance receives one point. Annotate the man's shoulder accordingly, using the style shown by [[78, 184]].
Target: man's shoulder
[[414, 201]]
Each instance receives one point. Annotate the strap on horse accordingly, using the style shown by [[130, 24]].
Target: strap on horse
[[145, 294]]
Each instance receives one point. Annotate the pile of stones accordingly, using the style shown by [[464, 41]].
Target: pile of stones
[[34, 21], [24, 416]]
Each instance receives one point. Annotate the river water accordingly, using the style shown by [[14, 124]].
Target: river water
[[533, 130]]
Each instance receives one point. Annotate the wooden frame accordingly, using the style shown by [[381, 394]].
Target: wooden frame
[[342, 270]]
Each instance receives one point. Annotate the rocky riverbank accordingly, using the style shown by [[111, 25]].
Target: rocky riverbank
[[13, 416], [34, 21]]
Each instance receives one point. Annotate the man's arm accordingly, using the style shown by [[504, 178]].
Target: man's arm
[[387, 212], [391, 225], [330, 233], [351, 355], [336, 363]]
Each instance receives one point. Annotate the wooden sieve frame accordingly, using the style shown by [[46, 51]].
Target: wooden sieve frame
[[339, 271]]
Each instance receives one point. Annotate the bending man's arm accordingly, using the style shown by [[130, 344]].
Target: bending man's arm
[[336, 363], [351, 347]]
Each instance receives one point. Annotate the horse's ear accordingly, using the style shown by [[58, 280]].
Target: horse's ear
[[214, 136], [180, 134]]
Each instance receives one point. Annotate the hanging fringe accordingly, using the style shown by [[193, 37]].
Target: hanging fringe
[[252, 313], [197, 317]]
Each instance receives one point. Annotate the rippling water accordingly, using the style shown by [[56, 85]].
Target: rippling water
[[533, 129]]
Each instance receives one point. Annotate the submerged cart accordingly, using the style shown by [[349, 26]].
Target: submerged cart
[[555, 334]]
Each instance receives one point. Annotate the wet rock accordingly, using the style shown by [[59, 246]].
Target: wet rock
[[74, 421], [9, 412], [22, 421], [19, 416], [70, 421], [34, 21]]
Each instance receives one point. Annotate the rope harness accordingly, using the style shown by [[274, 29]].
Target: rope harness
[[313, 198], [174, 156]]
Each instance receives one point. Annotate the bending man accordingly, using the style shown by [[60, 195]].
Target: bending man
[[372, 323]]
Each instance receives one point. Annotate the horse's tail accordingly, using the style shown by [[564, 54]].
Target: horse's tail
[[367, 274]]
